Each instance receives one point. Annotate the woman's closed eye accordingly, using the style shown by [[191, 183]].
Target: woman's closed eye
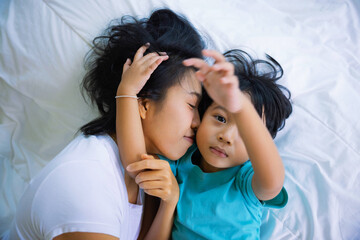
[[220, 118], [192, 106]]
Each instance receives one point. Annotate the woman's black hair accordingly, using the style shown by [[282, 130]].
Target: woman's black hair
[[258, 79], [166, 31]]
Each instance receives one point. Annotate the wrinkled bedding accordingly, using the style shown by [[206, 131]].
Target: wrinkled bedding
[[42, 49]]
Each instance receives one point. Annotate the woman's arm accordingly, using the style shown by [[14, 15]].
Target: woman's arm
[[154, 176], [158, 181], [85, 236], [129, 133]]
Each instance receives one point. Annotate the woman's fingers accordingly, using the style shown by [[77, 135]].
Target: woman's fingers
[[140, 52], [146, 156], [148, 164], [126, 65], [153, 63], [154, 175], [156, 193], [155, 184]]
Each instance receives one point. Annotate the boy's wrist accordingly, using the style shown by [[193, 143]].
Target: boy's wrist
[[244, 103], [241, 99]]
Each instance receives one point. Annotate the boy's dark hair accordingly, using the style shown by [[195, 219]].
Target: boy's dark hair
[[166, 32], [258, 79]]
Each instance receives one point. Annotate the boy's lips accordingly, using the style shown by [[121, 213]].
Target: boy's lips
[[218, 152]]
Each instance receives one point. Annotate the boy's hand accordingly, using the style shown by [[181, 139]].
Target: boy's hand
[[156, 178], [136, 73], [219, 80]]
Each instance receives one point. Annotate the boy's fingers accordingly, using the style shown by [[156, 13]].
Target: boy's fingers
[[227, 67], [198, 63], [214, 54], [228, 80], [195, 62], [140, 52], [200, 76]]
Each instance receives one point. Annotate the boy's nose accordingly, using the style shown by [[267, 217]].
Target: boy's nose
[[227, 135], [222, 139]]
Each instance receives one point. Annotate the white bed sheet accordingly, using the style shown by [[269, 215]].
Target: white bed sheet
[[42, 48]]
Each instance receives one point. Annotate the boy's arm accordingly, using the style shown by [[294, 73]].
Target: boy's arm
[[269, 171]]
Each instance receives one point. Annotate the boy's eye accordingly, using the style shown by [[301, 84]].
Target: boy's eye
[[220, 118]]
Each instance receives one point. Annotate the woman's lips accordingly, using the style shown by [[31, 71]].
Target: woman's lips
[[189, 139], [218, 152]]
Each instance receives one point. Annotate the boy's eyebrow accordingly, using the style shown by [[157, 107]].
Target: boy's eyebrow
[[221, 108]]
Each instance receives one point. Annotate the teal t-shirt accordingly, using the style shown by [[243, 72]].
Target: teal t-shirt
[[219, 205]]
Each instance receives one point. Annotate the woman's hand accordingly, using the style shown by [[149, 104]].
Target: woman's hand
[[136, 73], [156, 178], [219, 80]]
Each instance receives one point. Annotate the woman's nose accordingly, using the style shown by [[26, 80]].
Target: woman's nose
[[196, 120]]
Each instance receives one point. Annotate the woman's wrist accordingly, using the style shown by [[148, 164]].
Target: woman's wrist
[[169, 204], [123, 90]]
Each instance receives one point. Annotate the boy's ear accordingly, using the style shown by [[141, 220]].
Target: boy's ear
[[144, 105]]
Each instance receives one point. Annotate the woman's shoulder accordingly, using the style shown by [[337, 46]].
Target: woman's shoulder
[[84, 170], [80, 185], [84, 149]]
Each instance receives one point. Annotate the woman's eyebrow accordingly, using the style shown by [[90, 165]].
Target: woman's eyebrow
[[198, 95]]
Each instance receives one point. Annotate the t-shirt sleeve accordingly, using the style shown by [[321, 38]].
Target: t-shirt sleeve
[[244, 180], [76, 197], [279, 201]]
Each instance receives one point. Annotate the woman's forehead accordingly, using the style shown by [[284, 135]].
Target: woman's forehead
[[191, 84]]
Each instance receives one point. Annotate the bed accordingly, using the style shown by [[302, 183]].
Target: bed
[[42, 49]]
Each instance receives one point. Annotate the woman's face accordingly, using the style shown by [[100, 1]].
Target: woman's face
[[169, 126]]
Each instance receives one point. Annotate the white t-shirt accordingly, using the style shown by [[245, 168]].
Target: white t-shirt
[[81, 190]]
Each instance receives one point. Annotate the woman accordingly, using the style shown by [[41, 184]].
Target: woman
[[84, 193]]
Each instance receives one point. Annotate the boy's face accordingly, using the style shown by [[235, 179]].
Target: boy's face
[[219, 141]]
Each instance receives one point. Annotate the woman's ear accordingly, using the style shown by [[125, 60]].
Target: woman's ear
[[144, 105]]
